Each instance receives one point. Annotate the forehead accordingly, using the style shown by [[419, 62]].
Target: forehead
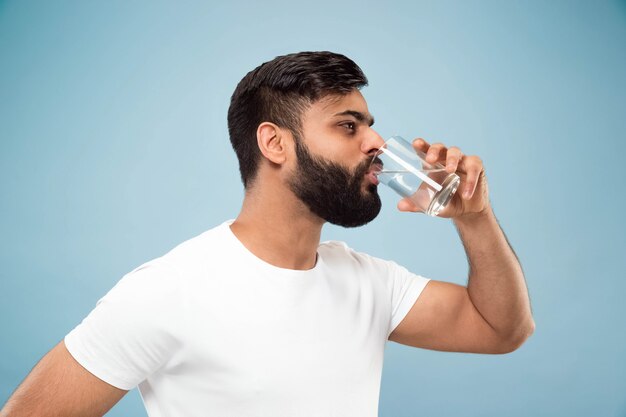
[[332, 105]]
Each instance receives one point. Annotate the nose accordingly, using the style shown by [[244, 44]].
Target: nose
[[372, 142]]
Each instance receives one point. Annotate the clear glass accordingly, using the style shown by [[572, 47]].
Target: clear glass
[[404, 169]]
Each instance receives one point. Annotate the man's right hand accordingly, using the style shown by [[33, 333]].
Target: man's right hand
[[60, 386]]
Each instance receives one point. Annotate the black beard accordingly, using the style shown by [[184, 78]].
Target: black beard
[[333, 193]]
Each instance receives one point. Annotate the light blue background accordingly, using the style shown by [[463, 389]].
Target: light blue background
[[114, 149]]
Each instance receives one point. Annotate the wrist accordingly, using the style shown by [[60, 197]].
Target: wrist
[[475, 218]]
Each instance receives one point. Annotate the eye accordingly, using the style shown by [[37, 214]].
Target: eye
[[350, 126]]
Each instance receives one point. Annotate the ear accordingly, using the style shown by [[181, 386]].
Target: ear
[[272, 141]]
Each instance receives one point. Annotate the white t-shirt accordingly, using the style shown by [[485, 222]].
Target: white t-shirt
[[209, 329]]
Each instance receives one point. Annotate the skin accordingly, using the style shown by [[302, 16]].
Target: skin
[[58, 386], [491, 315]]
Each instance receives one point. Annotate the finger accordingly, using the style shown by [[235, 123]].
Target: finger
[[453, 158], [434, 151], [407, 205], [472, 166], [421, 145]]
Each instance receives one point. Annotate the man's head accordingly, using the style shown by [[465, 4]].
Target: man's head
[[297, 94], [279, 91]]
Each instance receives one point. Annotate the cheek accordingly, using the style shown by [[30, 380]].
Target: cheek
[[325, 145], [334, 145], [335, 152], [346, 152]]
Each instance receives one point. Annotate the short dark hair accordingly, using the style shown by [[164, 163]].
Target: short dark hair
[[279, 91]]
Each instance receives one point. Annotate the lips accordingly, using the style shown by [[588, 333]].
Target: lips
[[372, 177], [372, 173]]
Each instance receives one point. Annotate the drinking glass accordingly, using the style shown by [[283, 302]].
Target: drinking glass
[[398, 165]]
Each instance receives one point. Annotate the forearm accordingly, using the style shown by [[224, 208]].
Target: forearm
[[496, 281]]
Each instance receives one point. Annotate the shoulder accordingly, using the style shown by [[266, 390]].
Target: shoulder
[[336, 249], [199, 246], [191, 257], [337, 252], [165, 275], [148, 284]]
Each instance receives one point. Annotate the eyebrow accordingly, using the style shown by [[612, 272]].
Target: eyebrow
[[361, 117]]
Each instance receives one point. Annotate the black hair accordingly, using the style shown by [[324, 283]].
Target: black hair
[[279, 91]]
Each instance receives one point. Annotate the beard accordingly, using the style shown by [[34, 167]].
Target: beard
[[332, 192]]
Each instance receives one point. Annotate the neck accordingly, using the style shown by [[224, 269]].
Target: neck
[[279, 229]]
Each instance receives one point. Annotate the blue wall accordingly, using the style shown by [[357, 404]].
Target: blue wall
[[114, 148]]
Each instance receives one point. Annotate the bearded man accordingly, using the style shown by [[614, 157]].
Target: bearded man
[[256, 317]]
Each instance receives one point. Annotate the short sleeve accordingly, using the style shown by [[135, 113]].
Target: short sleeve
[[130, 333], [406, 288]]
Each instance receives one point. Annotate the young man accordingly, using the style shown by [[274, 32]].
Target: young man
[[255, 317]]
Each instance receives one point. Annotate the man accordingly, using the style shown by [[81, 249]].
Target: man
[[255, 317]]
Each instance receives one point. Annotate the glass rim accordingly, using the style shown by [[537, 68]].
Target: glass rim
[[380, 151]]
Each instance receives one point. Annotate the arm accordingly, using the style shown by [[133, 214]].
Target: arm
[[60, 386], [491, 315], [496, 284]]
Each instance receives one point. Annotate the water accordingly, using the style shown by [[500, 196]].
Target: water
[[443, 197], [431, 201]]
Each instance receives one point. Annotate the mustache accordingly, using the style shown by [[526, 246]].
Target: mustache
[[364, 166]]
